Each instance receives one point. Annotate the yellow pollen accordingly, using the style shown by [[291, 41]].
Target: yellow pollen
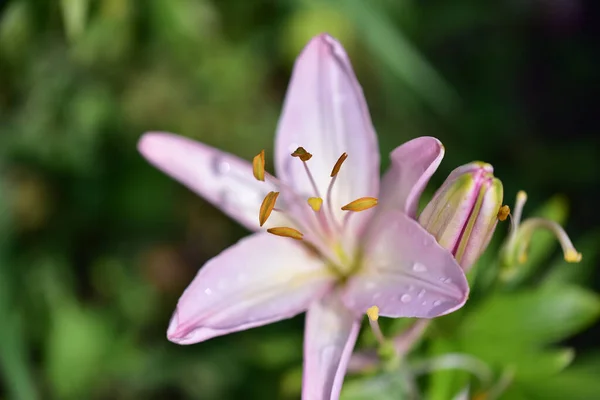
[[521, 196], [286, 232], [503, 213], [522, 258], [338, 164], [572, 256], [258, 166], [315, 203], [364, 203], [266, 207], [302, 154], [373, 313]]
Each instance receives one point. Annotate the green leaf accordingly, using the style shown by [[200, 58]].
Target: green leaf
[[381, 387], [528, 319], [443, 383], [78, 345]]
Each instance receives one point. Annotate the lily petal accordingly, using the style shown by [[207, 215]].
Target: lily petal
[[330, 334], [413, 163], [261, 279], [406, 273], [221, 178], [325, 112]]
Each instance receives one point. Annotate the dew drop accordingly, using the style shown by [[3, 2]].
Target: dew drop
[[405, 298], [437, 303], [224, 167], [208, 291], [418, 267], [448, 280], [421, 293], [424, 303]]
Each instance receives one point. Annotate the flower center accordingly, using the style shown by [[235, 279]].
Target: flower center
[[313, 219]]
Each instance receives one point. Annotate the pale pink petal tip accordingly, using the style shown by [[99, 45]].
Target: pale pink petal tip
[[259, 280]]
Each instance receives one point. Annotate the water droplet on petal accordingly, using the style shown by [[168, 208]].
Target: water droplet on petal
[[418, 267], [437, 303], [405, 298], [421, 293], [224, 167], [424, 303], [208, 291], [448, 280]]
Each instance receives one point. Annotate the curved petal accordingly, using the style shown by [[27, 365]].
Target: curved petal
[[261, 279], [406, 272], [221, 178], [413, 163], [330, 334], [325, 112]]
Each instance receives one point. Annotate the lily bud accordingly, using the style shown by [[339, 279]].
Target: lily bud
[[463, 213]]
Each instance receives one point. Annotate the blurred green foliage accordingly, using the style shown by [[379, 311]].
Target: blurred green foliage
[[97, 246]]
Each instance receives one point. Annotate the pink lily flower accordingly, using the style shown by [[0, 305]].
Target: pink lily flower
[[347, 256]]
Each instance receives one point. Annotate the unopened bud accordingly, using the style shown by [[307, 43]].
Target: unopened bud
[[463, 213]]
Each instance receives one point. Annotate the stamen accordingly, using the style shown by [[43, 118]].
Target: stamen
[[338, 165], [516, 220], [373, 314], [334, 175], [521, 199], [286, 232], [364, 203], [267, 207], [529, 226], [258, 166], [503, 213], [302, 154], [315, 203], [305, 156]]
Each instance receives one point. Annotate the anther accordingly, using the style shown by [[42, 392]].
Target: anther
[[315, 203], [267, 207], [258, 166], [338, 164], [572, 256], [364, 203], [286, 232], [373, 313], [503, 213], [301, 153]]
